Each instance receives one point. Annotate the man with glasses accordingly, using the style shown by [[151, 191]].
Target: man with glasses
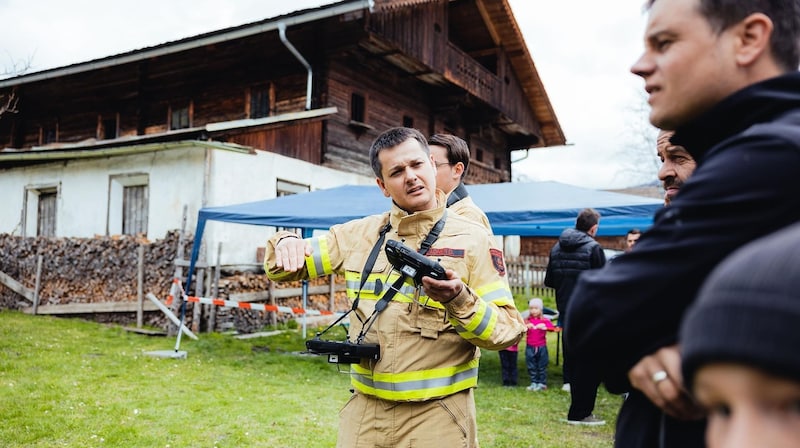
[[451, 156]]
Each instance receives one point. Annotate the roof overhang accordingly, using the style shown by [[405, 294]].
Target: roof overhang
[[251, 29], [25, 158]]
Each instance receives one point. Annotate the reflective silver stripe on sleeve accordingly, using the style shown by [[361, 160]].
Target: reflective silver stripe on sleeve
[[422, 384]]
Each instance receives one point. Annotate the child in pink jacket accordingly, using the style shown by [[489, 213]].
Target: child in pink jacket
[[536, 355]]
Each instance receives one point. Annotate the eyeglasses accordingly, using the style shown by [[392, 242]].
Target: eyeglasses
[[438, 164]]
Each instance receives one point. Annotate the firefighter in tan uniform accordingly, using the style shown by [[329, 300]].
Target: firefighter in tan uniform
[[419, 393], [451, 157]]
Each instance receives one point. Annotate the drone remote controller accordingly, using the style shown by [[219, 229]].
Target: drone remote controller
[[412, 263]]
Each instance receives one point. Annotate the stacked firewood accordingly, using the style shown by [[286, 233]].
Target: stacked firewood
[[87, 270], [250, 321], [105, 269]]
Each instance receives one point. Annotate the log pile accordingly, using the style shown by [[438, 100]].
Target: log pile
[[90, 270], [250, 321], [105, 269], [87, 270]]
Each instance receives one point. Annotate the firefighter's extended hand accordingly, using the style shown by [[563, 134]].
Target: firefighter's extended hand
[[290, 254], [443, 291]]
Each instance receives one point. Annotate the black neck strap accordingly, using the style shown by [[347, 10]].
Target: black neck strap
[[373, 255], [381, 304], [458, 194]]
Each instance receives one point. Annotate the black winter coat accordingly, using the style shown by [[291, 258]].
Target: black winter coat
[[747, 150], [574, 253]]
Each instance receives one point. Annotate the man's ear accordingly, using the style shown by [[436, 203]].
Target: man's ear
[[593, 230], [752, 38], [382, 186], [458, 169]]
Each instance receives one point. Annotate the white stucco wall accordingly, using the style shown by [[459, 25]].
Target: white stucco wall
[[236, 178], [176, 177]]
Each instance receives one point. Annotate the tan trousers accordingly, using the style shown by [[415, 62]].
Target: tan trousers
[[369, 422]]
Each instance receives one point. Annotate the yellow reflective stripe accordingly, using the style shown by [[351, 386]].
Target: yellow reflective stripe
[[417, 385], [353, 282], [481, 325], [495, 292], [319, 262], [279, 276]]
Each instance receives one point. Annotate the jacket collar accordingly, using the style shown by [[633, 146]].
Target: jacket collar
[[757, 103], [419, 223]]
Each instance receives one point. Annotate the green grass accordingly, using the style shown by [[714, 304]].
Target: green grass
[[66, 382]]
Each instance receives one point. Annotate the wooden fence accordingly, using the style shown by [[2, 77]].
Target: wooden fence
[[526, 275]]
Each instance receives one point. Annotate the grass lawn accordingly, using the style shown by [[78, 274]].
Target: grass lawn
[[67, 382]]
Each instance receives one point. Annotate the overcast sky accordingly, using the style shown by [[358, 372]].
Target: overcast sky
[[582, 50]]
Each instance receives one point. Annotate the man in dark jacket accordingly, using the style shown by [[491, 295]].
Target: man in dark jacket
[[723, 74], [576, 251]]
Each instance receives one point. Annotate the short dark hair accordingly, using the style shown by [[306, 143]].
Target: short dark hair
[[457, 149], [634, 232], [391, 138], [785, 16], [587, 218]]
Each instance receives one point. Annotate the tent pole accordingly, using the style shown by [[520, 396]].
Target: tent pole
[[306, 234], [198, 236]]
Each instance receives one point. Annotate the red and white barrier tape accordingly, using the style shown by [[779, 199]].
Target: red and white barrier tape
[[244, 305], [171, 296], [256, 306]]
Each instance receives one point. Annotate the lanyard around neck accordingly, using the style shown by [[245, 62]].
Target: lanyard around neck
[[432, 236]]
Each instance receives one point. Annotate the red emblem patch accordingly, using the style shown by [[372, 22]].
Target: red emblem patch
[[497, 261]]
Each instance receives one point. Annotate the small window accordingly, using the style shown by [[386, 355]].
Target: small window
[[128, 204], [110, 129], [179, 118], [40, 210], [48, 133], [46, 213], [286, 188], [498, 163], [408, 122], [134, 210], [479, 155], [259, 102], [357, 105]]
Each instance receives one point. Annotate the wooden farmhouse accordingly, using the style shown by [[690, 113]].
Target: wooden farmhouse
[[121, 144]]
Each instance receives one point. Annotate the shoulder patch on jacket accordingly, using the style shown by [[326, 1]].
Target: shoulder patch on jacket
[[445, 252], [497, 261]]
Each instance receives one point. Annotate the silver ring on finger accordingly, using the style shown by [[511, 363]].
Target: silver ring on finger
[[659, 376]]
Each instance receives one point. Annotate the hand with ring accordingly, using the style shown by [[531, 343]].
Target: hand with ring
[[658, 376]]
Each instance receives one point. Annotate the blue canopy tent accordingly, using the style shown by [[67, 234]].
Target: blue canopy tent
[[525, 209]]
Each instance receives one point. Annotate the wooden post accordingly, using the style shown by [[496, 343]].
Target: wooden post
[[212, 315], [528, 276], [38, 284], [175, 290], [140, 289], [205, 310], [332, 293], [197, 307], [271, 290]]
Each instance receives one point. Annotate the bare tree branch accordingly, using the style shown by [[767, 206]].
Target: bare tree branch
[[9, 100], [639, 148]]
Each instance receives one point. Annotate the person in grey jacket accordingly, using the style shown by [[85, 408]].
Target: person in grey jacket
[[575, 252]]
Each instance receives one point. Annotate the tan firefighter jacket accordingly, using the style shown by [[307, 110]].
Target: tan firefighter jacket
[[427, 349], [466, 207]]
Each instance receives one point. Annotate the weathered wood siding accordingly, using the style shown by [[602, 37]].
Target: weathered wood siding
[[422, 33], [301, 141], [388, 97]]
